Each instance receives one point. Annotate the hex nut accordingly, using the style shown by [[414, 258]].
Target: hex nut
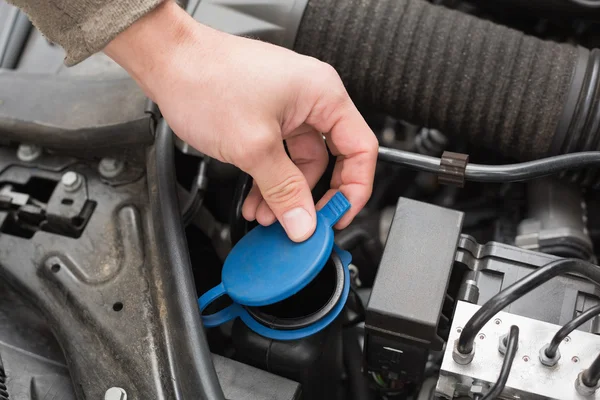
[[71, 181], [547, 361], [460, 358], [582, 389], [502, 343]]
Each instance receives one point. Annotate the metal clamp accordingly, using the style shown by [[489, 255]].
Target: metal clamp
[[453, 168]]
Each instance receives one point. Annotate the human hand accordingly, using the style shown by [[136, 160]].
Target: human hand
[[237, 100]]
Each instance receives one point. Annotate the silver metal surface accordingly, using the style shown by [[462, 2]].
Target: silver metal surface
[[71, 181], [28, 152], [529, 379], [110, 167], [115, 393]]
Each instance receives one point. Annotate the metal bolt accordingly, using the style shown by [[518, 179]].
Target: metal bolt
[[567, 339], [575, 359], [115, 393], [28, 152], [497, 321], [458, 330], [110, 167], [71, 181], [526, 358], [481, 336]]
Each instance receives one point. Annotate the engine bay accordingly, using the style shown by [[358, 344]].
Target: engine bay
[[473, 271]]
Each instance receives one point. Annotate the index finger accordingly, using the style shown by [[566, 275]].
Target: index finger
[[353, 143]]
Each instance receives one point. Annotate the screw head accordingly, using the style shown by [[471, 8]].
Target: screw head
[[575, 359], [497, 321], [526, 358], [71, 181], [28, 152], [458, 330], [481, 336], [115, 393], [567, 339], [110, 167]]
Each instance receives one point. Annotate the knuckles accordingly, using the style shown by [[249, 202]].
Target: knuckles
[[286, 192]]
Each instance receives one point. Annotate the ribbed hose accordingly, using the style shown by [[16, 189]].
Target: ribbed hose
[[447, 70], [3, 388]]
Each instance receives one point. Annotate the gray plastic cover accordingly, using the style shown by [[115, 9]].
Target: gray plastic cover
[[273, 21]]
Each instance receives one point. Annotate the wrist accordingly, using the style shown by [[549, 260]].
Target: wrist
[[151, 49]]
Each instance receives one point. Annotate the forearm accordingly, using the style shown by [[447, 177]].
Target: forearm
[[83, 27], [155, 48]]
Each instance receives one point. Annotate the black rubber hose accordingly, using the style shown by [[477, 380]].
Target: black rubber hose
[[353, 361], [570, 327], [591, 375], [201, 369], [509, 358], [497, 173], [447, 70], [197, 191], [238, 226], [519, 289]]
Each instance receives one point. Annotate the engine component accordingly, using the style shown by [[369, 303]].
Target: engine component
[[556, 222], [315, 361], [38, 369], [465, 76], [529, 378], [493, 267], [274, 21], [491, 173], [406, 317]]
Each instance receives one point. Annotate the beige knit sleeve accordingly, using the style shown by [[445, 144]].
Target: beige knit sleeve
[[83, 27]]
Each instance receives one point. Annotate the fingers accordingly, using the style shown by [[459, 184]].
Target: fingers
[[308, 151], [352, 141], [285, 191]]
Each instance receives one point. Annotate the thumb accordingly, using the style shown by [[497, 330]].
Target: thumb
[[285, 190]]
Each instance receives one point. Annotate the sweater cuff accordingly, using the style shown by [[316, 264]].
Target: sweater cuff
[[98, 29]]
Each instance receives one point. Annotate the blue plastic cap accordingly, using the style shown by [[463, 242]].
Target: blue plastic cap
[[265, 266]]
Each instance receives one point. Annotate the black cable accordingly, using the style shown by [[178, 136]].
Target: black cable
[[509, 357], [496, 173], [191, 331], [570, 327], [519, 289], [196, 198], [353, 361], [238, 226], [591, 375]]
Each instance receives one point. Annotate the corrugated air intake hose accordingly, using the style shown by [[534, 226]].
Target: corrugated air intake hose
[[465, 76]]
